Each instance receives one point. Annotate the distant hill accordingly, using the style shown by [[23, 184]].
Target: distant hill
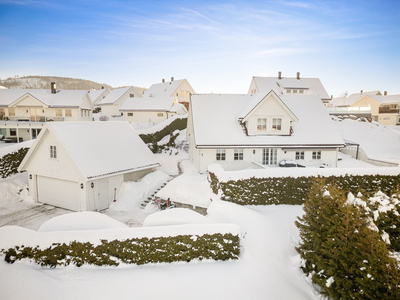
[[65, 83]]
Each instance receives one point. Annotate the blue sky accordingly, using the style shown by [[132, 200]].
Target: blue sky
[[217, 45]]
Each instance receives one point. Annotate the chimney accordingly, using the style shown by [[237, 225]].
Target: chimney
[[385, 93], [298, 75], [279, 75], [102, 87], [172, 78], [361, 91], [163, 80], [53, 87]]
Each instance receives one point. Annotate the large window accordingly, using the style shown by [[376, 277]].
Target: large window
[[276, 124], [68, 113], [58, 112], [220, 154], [300, 155], [269, 156], [53, 151], [316, 155], [11, 111], [261, 124], [130, 114], [238, 154]]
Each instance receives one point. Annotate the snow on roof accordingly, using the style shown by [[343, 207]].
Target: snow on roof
[[389, 99], [351, 99], [178, 106], [163, 89], [97, 93], [313, 85], [63, 98], [103, 148], [115, 95], [148, 103], [215, 122]]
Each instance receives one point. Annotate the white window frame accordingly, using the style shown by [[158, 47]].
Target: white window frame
[[130, 114], [238, 154], [221, 154], [160, 114], [131, 95], [261, 124], [68, 112], [316, 155], [58, 112], [276, 124], [299, 155], [270, 156], [53, 151], [288, 91]]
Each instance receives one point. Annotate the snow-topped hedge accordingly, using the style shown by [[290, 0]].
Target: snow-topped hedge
[[270, 189], [132, 251]]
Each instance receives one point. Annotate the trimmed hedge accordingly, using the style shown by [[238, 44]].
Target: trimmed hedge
[[132, 251], [294, 191], [10, 162], [178, 124]]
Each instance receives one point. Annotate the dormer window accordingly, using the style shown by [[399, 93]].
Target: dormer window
[[276, 124], [262, 124]]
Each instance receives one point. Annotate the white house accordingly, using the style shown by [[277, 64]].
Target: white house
[[260, 130], [23, 112], [294, 86], [179, 89], [81, 165], [111, 104], [151, 109], [347, 101], [98, 95]]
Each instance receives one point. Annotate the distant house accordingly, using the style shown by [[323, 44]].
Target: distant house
[[260, 130], [293, 86], [23, 112], [384, 109], [179, 89], [347, 101], [151, 109], [111, 104], [98, 95], [81, 165]]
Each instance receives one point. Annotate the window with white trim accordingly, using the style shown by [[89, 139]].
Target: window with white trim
[[261, 124], [53, 151], [131, 95], [58, 112], [187, 94], [68, 113], [288, 91], [221, 154], [130, 114], [238, 154], [316, 155], [276, 124], [180, 93], [270, 156], [160, 114], [11, 111], [299, 155], [294, 91]]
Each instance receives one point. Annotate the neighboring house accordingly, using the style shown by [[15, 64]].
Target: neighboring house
[[151, 109], [347, 101], [98, 95], [179, 89], [81, 165], [384, 109], [260, 130], [23, 112], [293, 86], [111, 104]]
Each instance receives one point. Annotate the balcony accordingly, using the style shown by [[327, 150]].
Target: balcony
[[348, 110], [25, 119], [388, 110]]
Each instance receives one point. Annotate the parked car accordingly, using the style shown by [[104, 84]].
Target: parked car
[[290, 164]]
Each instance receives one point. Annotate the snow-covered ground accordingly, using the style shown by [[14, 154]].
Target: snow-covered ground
[[267, 269]]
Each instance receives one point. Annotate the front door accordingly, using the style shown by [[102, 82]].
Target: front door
[[102, 192], [269, 156]]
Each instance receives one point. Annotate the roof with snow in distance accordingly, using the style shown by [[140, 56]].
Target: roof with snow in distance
[[116, 94], [216, 122], [313, 86], [100, 149], [163, 89], [388, 99], [148, 104], [97, 93], [63, 98], [348, 101]]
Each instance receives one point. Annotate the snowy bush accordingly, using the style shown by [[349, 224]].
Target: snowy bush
[[295, 190], [178, 124], [104, 118], [9, 163], [342, 249], [132, 251]]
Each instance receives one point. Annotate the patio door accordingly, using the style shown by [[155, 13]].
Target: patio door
[[36, 114], [269, 156]]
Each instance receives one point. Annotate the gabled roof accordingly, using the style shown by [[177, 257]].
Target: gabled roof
[[177, 107], [258, 99], [148, 104], [313, 86], [164, 89], [63, 98], [99, 149], [215, 122], [117, 94], [351, 99], [388, 99], [94, 95]]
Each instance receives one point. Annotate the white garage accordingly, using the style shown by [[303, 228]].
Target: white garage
[[80, 166]]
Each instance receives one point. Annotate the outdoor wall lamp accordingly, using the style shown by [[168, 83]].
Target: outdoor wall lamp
[[30, 176], [92, 184], [82, 186]]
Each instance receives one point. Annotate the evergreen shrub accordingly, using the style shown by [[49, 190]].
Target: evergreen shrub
[[132, 251], [10, 162], [178, 124]]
